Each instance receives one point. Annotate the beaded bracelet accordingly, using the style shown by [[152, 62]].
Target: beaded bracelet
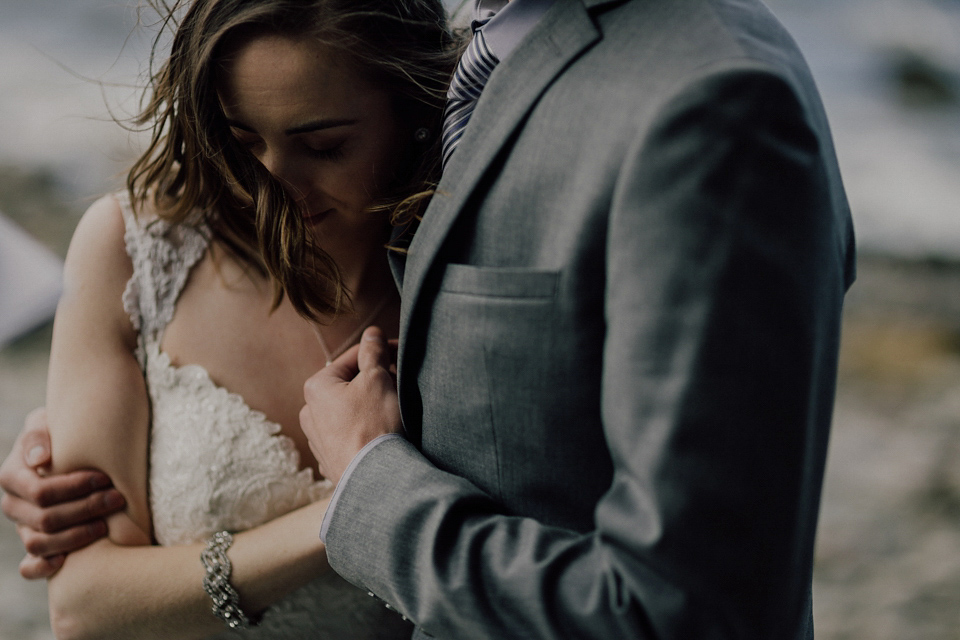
[[226, 600]]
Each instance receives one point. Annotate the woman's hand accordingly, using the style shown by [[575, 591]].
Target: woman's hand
[[55, 514]]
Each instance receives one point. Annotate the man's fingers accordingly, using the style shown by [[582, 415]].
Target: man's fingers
[[306, 418], [35, 440], [307, 426], [374, 351], [318, 458], [345, 367], [36, 568]]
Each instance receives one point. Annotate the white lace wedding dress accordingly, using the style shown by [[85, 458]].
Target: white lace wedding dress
[[216, 464]]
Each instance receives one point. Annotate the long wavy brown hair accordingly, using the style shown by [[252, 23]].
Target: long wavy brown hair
[[193, 171]]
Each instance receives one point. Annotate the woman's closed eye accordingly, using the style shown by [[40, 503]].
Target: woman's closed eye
[[329, 152]]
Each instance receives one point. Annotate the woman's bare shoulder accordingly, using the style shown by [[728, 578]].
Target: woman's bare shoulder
[[100, 230], [97, 267]]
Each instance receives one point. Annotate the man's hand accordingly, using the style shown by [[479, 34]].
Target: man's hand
[[349, 403], [54, 514]]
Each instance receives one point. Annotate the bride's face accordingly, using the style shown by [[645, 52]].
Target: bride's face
[[328, 134]]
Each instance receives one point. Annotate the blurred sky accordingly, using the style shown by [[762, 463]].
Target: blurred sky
[[65, 61]]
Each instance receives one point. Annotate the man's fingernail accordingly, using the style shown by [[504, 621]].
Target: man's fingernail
[[113, 499], [97, 529], [36, 455], [98, 482]]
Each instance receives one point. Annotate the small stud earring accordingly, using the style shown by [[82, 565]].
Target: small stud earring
[[421, 134]]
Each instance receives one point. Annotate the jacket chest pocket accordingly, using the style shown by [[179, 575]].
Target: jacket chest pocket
[[500, 282], [502, 315], [483, 374]]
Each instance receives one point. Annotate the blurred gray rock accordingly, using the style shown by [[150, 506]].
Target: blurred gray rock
[[31, 281]]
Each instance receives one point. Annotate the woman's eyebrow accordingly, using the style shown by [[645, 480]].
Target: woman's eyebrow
[[315, 125]]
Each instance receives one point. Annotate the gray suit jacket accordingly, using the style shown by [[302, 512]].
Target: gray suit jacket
[[618, 342]]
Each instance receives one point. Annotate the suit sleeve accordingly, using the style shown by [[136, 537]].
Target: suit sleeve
[[727, 257]]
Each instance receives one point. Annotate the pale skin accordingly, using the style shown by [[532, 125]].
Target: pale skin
[[330, 137]]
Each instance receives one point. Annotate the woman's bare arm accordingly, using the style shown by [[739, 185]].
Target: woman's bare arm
[[110, 591], [98, 415], [97, 406]]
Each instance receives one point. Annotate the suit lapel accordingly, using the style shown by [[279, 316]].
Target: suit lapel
[[397, 259], [514, 87]]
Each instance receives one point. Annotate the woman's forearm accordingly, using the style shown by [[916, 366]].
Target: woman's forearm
[[272, 560], [111, 591]]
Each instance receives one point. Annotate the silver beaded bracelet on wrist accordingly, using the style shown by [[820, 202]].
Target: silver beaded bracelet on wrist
[[216, 582]]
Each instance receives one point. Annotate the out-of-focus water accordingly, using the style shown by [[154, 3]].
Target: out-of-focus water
[[65, 61], [899, 151], [62, 63]]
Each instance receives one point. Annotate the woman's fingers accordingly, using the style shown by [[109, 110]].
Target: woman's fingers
[[36, 568], [34, 442], [45, 545], [55, 514], [52, 491], [51, 516]]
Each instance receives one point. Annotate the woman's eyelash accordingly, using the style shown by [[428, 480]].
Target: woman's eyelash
[[329, 153], [246, 143]]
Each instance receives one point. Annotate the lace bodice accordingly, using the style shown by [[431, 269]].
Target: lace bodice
[[229, 470], [215, 463]]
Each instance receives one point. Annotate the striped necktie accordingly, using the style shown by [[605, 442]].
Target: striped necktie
[[472, 72]]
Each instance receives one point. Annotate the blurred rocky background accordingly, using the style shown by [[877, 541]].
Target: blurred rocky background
[[888, 556]]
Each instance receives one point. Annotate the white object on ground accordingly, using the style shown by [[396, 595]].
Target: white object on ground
[[31, 279]]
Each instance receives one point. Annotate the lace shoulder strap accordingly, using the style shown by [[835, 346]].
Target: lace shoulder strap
[[162, 256]]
